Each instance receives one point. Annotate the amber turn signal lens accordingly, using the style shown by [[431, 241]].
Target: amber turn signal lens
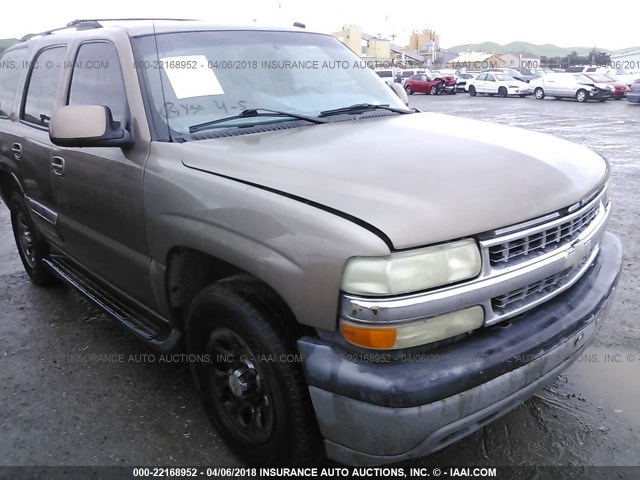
[[369, 337]]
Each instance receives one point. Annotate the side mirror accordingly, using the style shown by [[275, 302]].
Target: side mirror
[[87, 126], [400, 92]]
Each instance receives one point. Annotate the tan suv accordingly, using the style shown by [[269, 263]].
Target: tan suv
[[349, 276]]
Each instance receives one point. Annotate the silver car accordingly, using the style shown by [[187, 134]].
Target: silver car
[[570, 85]]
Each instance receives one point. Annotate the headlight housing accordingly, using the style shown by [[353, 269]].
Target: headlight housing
[[412, 271], [411, 334]]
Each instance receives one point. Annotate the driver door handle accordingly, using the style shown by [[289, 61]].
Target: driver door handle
[[16, 148], [57, 166]]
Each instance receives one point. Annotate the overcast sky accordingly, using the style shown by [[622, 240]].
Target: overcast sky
[[564, 23]]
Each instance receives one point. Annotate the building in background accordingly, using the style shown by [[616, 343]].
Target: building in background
[[475, 61], [426, 43], [519, 60], [374, 49], [629, 61]]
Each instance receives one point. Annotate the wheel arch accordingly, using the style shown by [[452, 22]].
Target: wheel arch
[[189, 270], [9, 183]]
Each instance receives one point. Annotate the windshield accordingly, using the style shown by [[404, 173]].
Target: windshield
[[501, 77], [198, 77], [599, 78], [582, 79]]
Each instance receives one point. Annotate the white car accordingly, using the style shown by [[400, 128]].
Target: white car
[[621, 75], [570, 85], [618, 74], [389, 75], [497, 84]]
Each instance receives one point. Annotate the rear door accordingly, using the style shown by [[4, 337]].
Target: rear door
[[35, 149], [12, 71], [550, 85], [480, 82]]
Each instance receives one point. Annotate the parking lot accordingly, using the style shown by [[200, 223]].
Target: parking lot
[[126, 408]]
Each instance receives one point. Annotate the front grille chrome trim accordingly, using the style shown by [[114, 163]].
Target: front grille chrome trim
[[492, 282]]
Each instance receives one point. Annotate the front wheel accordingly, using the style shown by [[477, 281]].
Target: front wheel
[[433, 90], [408, 89], [502, 92], [32, 248], [539, 93], [582, 96], [472, 91], [251, 380]]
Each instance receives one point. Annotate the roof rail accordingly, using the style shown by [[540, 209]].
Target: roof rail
[[89, 24], [98, 20], [82, 25]]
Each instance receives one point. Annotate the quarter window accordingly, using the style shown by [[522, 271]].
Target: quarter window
[[46, 73], [11, 66], [97, 80]]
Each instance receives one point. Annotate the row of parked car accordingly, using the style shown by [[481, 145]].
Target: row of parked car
[[581, 83]]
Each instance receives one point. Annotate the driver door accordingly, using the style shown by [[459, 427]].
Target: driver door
[[100, 190]]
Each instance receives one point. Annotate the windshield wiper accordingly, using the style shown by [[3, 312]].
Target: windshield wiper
[[252, 113], [362, 107]]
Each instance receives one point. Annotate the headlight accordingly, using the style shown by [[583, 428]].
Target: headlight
[[419, 332], [412, 271]]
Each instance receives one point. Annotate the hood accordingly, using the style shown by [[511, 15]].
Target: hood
[[420, 178], [618, 85]]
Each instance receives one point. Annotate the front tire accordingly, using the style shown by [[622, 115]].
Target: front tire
[[408, 89], [472, 91], [433, 90], [252, 389], [32, 247], [502, 92], [582, 96], [539, 93]]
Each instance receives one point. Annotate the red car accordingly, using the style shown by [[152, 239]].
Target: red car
[[620, 89], [423, 83]]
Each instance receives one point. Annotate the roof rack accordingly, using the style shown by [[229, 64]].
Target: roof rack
[[89, 24], [98, 20]]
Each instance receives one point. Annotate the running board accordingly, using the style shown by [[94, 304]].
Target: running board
[[145, 325]]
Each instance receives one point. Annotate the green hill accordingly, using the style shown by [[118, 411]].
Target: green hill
[[546, 50]]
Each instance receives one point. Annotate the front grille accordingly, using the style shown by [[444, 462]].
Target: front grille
[[530, 246], [528, 294]]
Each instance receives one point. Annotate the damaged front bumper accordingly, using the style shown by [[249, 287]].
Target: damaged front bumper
[[375, 413]]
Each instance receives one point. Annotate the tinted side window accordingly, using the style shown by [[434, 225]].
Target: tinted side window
[[97, 79], [43, 85], [11, 66]]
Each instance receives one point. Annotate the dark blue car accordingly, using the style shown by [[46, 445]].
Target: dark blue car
[[634, 94]]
